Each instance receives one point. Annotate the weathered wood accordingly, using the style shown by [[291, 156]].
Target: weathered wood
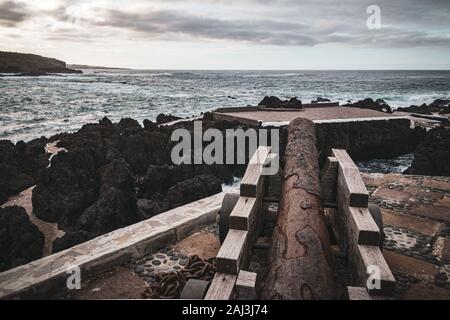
[[357, 293], [231, 252], [245, 286], [352, 224], [364, 259], [261, 155], [350, 183], [252, 183], [328, 180], [222, 287], [244, 214], [300, 260]]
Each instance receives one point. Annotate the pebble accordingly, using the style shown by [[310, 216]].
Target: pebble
[[139, 269], [156, 262], [183, 262], [177, 267], [160, 256]]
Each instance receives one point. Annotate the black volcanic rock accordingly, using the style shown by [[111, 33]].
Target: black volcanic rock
[[320, 99], [422, 109], [432, 156], [66, 188], [369, 139], [439, 104], [20, 165], [275, 102], [31, 64], [369, 103], [193, 189], [163, 118], [20, 240]]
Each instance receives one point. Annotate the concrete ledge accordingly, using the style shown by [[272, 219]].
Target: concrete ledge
[[47, 276]]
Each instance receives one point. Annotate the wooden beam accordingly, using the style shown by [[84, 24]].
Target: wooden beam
[[222, 287], [246, 285], [252, 183], [231, 252], [350, 182], [244, 214], [355, 226], [328, 180], [260, 156], [369, 258], [357, 293]]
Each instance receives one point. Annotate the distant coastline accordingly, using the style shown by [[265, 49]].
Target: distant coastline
[[23, 64], [88, 67]]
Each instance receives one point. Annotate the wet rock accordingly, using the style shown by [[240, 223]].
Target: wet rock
[[275, 102], [369, 103], [163, 118], [149, 208], [432, 156], [320, 99], [66, 188], [422, 109], [20, 165], [192, 189], [20, 240]]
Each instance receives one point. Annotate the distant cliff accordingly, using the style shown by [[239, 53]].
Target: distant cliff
[[12, 62]]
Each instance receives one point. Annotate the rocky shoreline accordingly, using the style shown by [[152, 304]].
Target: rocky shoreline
[[110, 175]]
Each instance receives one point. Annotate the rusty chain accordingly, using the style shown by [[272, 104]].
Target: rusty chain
[[169, 285]]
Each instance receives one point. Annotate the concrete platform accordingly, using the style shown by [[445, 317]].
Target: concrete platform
[[416, 215], [317, 115]]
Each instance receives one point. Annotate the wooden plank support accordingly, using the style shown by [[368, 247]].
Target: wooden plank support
[[358, 293], [300, 259], [350, 182], [252, 183], [222, 287], [245, 286], [231, 253], [244, 214], [370, 259], [328, 181], [352, 224]]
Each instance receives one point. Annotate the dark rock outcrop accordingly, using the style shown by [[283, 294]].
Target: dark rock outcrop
[[369, 103], [193, 189], [20, 240], [369, 139], [93, 188], [432, 156], [320, 99], [31, 64], [422, 109], [275, 102], [163, 118], [437, 106], [20, 165]]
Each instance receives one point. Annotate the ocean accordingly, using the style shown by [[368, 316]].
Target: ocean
[[35, 106]]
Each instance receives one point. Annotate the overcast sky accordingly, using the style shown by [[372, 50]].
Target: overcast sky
[[231, 34]]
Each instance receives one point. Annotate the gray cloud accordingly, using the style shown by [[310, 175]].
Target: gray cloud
[[12, 13], [307, 30], [406, 23]]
